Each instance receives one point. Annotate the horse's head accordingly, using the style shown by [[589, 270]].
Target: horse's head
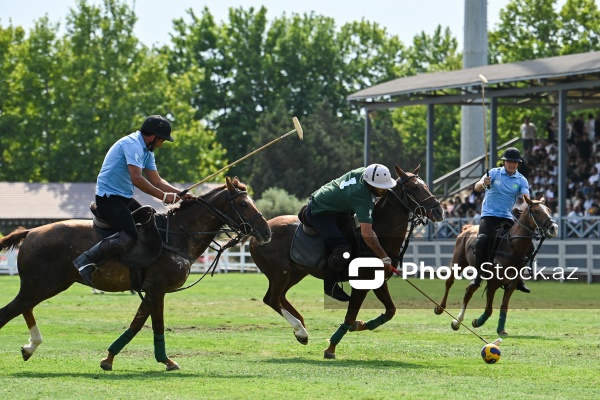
[[415, 195], [243, 213], [538, 218]]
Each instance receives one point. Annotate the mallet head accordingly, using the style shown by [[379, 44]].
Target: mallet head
[[298, 128], [483, 78]]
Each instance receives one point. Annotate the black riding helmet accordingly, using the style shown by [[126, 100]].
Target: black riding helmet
[[512, 154], [159, 126]]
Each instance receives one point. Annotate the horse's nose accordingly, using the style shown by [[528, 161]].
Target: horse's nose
[[267, 235]]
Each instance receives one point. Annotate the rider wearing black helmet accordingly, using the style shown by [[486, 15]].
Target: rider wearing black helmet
[[502, 187], [129, 162]]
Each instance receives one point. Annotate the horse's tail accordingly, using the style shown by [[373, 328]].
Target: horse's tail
[[13, 239]]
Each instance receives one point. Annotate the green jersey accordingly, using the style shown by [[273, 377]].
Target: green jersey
[[346, 194]]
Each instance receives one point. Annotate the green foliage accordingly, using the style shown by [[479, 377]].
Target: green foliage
[[275, 201], [301, 167]]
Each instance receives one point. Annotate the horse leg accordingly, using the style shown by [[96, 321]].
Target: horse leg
[[455, 324], [275, 298], [504, 310], [383, 294], [24, 305], [136, 325], [157, 304], [35, 338], [356, 299], [440, 308], [489, 306]]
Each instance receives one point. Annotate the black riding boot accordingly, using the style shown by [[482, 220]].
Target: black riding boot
[[480, 257], [522, 287], [337, 263], [111, 246]]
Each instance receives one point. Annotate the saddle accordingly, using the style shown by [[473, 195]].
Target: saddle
[[308, 247], [145, 250]]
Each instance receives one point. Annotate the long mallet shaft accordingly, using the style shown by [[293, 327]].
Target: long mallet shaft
[[483, 82], [297, 129]]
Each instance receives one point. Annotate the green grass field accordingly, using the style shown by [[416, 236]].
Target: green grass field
[[230, 345]]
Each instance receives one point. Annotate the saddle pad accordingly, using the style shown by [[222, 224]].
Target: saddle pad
[[307, 250]]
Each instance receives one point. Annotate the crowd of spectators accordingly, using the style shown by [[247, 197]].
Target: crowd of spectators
[[540, 167]]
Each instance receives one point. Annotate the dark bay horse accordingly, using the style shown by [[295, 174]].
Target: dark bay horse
[[511, 256], [391, 216], [46, 254]]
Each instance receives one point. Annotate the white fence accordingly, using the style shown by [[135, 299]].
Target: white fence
[[236, 259], [580, 255]]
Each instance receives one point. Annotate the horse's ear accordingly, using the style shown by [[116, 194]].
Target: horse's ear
[[527, 199], [416, 171], [230, 185], [400, 172]]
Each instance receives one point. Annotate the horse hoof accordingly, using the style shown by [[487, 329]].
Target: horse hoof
[[105, 366], [302, 340], [25, 354], [173, 366], [474, 323], [438, 310], [503, 334], [356, 326], [455, 325], [328, 356]]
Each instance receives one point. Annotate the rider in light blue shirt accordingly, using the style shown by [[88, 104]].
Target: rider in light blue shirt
[[502, 186], [128, 163]]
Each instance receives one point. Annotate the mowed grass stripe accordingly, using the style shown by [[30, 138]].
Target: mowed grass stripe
[[230, 345]]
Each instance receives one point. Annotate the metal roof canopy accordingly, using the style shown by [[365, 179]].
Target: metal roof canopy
[[575, 77]]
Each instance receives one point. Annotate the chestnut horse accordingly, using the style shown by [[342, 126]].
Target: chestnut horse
[[509, 258], [390, 220], [46, 254]]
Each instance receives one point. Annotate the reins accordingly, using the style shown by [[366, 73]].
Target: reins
[[240, 230]]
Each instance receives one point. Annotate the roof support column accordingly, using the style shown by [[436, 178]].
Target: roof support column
[[562, 160], [493, 132], [430, 136], [367, 141]]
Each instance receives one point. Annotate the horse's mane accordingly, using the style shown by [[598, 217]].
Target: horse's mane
[[186, 203]]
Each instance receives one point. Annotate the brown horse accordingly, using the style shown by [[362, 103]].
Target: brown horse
[[391, 216], [510, 257], [46, 254]]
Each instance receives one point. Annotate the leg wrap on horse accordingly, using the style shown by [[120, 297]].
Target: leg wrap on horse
[[501, 322], [482, 319], [160, 354], [121, 342], [339, 334], [376, 322]]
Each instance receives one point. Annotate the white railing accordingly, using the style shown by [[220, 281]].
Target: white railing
[[582, 255], [8, 262]]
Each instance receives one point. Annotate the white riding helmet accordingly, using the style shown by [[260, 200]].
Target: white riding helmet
[[379, 176]]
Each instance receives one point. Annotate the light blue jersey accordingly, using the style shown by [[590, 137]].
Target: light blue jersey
[[114, 178], [504, 192]]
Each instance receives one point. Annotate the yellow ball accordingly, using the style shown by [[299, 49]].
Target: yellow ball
[[491, 353]]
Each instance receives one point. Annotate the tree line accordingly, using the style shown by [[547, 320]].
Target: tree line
[[229, 87]]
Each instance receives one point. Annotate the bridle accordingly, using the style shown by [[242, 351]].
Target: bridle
[[420, 213], [241, 230], [541, 230]]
